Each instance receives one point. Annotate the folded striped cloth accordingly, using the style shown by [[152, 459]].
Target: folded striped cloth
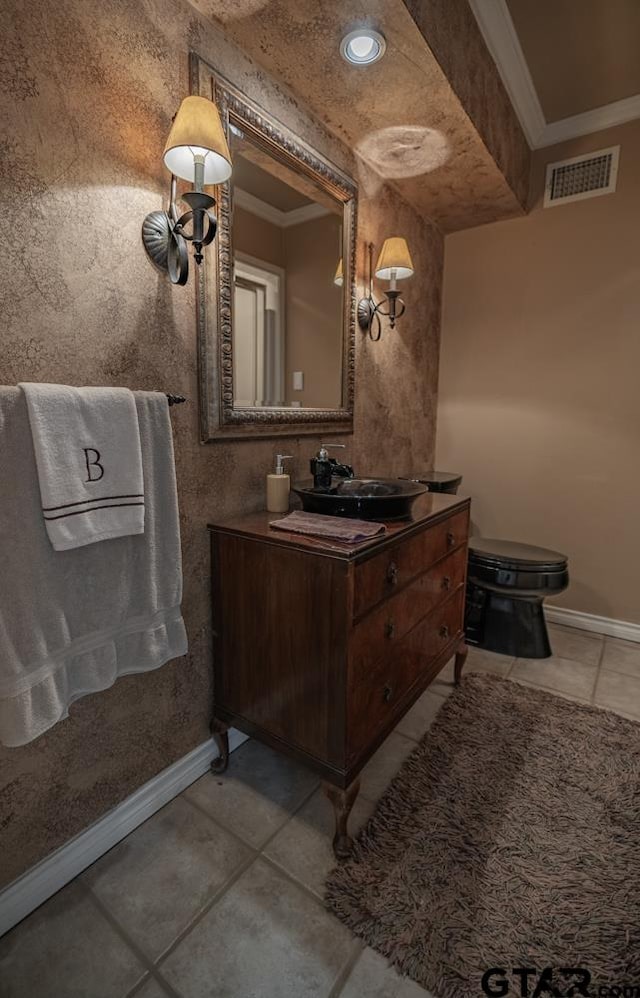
[[87, 448], [337, 528]]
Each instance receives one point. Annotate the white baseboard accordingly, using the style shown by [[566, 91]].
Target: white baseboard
[[624, 629], [36, 885]]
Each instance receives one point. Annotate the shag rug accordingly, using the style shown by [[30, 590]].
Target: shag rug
[[509, 839]]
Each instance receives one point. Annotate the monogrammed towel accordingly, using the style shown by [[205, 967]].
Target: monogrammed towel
[[87, 447], [72, 621]]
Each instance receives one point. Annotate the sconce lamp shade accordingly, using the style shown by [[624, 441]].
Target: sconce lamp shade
[[394, 256], [339, 275], [197, 130]]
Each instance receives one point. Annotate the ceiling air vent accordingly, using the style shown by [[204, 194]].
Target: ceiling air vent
[[582, 177]]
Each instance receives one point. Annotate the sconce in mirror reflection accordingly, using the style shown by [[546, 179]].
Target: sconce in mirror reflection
[[197, 151], [394, 264]]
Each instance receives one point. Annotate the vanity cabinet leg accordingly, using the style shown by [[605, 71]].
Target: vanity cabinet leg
[[220, 732], [343, 801], [458, 665]]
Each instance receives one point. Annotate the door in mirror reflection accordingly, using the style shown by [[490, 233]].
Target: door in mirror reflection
[[288, 314]]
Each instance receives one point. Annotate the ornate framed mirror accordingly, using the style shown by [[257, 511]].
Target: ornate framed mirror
[[276, 295]]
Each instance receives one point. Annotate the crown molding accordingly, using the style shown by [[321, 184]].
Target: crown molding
[[496, 26], [607, 116], [255, 206], [283, 219], [305, 214], [499, 33]]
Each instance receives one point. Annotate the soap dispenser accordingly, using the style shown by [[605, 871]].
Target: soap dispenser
[[278, 486]]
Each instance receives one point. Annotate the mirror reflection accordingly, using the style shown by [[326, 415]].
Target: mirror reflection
[[287, 239]]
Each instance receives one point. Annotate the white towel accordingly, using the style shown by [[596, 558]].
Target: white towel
[[71, 622], [87, 447]]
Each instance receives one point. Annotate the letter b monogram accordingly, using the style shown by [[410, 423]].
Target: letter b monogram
[[91, 464]]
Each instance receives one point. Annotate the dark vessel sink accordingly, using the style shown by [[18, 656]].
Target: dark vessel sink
[[366, 498]]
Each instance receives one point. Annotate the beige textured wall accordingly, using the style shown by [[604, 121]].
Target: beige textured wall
[[539, 405], [90, 89], [452, 33]]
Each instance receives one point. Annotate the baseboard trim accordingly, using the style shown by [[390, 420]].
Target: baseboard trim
[[38, 884], [624, 629]]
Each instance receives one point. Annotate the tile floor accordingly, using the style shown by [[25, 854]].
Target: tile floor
[[218, 895]]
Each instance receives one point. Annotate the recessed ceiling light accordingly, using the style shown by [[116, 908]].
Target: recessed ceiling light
[[362, 46]]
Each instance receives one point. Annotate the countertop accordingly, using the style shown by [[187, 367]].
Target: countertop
[[430, 506]]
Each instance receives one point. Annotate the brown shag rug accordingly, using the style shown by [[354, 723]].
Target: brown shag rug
[[509, 839]]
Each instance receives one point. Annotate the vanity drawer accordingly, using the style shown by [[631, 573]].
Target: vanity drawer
[[375, 692], [381, 576], [379, 632]]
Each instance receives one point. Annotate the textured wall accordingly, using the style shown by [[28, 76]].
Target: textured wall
[[538, 396], [454, 37], [89, 89], [452, 147]]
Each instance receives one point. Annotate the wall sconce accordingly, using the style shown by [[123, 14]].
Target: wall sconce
[[197, 151], [394, 264], [338, 278]]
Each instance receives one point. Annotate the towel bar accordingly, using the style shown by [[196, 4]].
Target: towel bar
[[171, 399]]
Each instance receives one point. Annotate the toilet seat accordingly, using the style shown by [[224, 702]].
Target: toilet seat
[[437, 481], [515, 556]]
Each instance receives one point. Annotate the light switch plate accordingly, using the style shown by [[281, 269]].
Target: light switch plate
[[298, 381]]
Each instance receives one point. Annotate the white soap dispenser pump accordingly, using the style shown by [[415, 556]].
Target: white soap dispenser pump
[[278, 486]]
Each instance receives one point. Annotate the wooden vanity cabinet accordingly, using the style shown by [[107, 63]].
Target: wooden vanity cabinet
[[320, 647]]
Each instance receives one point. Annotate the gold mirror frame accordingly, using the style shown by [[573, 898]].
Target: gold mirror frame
[[219, 419]]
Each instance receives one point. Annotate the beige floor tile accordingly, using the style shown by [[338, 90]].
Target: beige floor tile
[[581, 646], [419, 719], [619, 692], [443, 683], [66, 949], [383, 766], [479, 660], [158, 878], [303, 847], [258, 793], [374, 978], [621, 656], [266, 938], [575, 679]]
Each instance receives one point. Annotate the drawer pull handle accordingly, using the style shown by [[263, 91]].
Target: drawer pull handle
[[390, 629], [451, 539], [446, 582], [392, 574], [444, 631], [387, 693]]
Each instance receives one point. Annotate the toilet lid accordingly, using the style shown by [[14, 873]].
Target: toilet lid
[[437, 479], [513, 554]]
